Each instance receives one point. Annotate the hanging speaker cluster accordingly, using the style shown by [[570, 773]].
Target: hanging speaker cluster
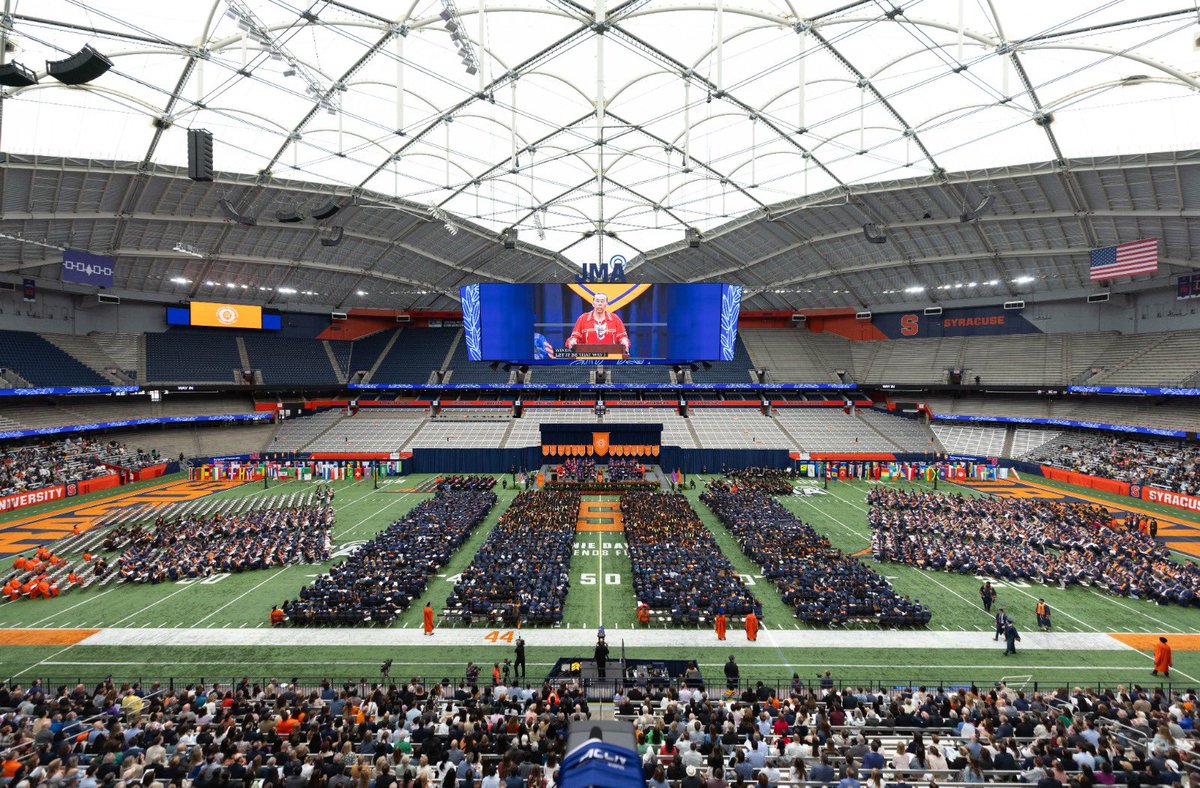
[[79, 69]]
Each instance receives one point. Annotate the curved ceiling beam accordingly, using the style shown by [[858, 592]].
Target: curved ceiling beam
[[1183, 77]]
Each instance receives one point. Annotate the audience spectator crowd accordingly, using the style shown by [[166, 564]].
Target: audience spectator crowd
[[521, 574], [579, 469], [205, 545], [1020, 539], [463, 735], [1172, 465], [279, 735], [381, 578], [826, 587], [678, 567], [625, 469], [59, 462]]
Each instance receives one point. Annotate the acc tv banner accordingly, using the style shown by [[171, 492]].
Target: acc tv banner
[[205, 313], [87, 269]]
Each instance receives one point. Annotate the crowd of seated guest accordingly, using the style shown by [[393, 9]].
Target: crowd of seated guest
[[577, 469], [382, 577], [678, 567], [772, 481], [825, 586], [1172, 465], [196, 546], [465, 483], [1021, 539], [522, 572], [421, 735], [46, 464], [624, 469]]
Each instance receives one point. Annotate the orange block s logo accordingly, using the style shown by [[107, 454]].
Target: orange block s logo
[[909, 325]]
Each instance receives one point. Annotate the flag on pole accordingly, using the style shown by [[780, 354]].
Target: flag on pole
[[1128, 259]]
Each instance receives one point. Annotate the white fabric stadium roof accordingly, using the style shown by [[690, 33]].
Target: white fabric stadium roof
[[611, 128]]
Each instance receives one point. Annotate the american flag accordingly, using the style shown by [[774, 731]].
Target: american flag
[[1135, 257]]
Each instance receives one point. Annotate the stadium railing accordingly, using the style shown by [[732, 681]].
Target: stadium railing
[[601, 690]]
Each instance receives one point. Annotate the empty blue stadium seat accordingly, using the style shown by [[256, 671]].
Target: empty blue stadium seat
[[289, 360], [736, 371], [417, 352], [192, 355], [43, 364], [366, 350]]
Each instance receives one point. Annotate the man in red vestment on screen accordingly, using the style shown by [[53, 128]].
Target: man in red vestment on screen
[[599, 327]]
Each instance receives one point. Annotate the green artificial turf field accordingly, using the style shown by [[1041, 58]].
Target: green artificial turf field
[[601, 593]]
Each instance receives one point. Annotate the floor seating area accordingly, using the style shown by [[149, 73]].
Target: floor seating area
[[737, 429], [829, 429], [977, 441], [369, 430]]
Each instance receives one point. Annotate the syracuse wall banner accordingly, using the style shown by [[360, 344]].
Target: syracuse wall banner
[[205, 313], [600, 323], [87, 269]]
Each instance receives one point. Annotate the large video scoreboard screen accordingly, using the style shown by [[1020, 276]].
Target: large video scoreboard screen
[[600, 323]]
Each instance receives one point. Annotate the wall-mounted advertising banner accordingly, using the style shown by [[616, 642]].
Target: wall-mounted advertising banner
[[1040, 422], [973, 322], [1178, 500], [207, 313], [31, 498], [84, 268], [1156, 391]]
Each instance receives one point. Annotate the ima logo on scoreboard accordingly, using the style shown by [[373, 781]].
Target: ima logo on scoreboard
[[611, 272], [607, 278]]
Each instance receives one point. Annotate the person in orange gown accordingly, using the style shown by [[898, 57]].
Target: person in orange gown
[[643, 614], [428, 624], [751, 626], [720, 625], [1162, 659]]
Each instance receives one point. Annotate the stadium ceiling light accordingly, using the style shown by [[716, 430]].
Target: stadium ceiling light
[[362, 293], [179, 280], [285, 290], [972, 284], [1023, 280], [915, 289], [993, 282], [211, 284]]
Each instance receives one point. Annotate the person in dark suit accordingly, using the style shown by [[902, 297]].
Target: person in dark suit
[[1001, 623], [732, 673], [1011, 636], [988, 595], [601, 657], [519, 662]]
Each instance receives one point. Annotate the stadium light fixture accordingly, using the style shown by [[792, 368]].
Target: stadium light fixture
[[915, 289], [362, 293], [1023, 280], [179, 280], [993, 282], [286, 290]]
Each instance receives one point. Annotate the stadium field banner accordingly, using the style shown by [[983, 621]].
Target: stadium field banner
[[1087, 425], [1136, 390], [206, 313], [32, 497], [603, 386], [83, 268], [1085, 480], [46, 391], [1189, 503]]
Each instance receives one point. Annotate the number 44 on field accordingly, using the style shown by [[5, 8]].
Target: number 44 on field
[[496, 636]]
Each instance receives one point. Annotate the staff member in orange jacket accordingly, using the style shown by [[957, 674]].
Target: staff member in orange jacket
[[643, 614], [1162, 659], [428, 619], [720, 624], [751, 626]]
